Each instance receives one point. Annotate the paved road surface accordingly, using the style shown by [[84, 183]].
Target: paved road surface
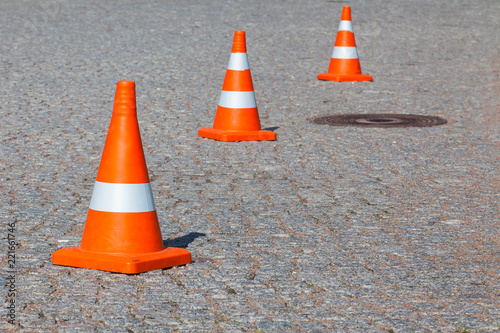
[[327, 229]]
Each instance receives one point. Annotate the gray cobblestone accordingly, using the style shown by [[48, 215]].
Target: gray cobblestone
[[327, 229]]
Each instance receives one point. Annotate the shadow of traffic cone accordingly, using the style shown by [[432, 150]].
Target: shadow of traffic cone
[[237, 118], [122, 233], [344, 65]]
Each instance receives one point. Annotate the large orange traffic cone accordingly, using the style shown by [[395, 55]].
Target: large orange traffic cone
[[237, 118], [122, 233], [344, 65]]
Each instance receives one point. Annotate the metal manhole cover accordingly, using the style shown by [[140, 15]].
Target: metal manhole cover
[[379, 120]]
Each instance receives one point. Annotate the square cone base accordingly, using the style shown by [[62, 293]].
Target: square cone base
[[221, 135], [121, 263], [345, 78]]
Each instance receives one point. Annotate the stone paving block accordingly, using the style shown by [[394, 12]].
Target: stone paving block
[[122, 329], [275, 326], [325, 229], [316, 326]]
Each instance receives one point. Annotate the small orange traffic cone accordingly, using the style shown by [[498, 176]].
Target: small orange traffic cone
[[344, 65], [237, 118], [122, 233]]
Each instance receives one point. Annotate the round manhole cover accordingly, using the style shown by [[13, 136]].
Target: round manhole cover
[[379, 120]]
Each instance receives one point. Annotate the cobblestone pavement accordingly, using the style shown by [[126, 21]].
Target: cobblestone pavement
[[326, 229]]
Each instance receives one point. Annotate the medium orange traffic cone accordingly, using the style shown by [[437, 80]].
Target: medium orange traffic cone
[[122, 233], [237, 118], [344, 65]]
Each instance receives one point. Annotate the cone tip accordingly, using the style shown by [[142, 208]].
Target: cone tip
[[124, 84], [346, 13], [239, 42], [125, 97]]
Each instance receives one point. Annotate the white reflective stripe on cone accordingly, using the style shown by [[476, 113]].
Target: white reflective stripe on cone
[[238, 62], [345, 52], [345, 26], [237, 99], [122, 198]]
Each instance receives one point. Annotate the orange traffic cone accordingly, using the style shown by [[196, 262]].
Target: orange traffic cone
[[122, 233], [237, 118], [344, 65]]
